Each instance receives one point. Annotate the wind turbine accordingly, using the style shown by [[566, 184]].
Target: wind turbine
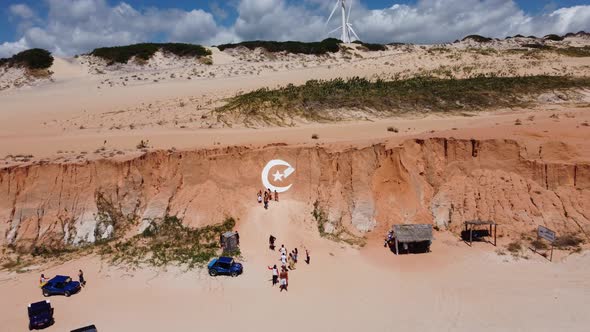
[[346, 27]]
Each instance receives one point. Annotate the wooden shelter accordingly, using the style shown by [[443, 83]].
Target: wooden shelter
[[229, 241], [478, 229], [413, 238]]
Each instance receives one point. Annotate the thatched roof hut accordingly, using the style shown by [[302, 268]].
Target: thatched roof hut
[[412, 233]]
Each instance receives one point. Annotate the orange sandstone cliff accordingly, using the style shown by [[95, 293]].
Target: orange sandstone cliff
[[362, 190]]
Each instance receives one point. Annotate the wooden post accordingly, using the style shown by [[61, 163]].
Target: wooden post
[[396, 247], [495, 235]]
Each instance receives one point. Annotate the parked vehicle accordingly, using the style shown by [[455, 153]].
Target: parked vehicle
[[60, 285], [225, 265], [89, 328], [40, 315]]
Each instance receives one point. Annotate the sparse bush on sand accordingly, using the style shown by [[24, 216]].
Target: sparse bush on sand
[[143, 144], [145, 51], [329, 45], [316, 98], [477, 38], [514, 247], [392, 129], [35, 58], [568, 241], [315, 136], [168, 242]]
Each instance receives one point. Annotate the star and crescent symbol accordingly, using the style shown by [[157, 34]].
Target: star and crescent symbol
[[277, 176]]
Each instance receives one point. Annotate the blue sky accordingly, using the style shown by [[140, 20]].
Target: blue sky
[[72, 26]]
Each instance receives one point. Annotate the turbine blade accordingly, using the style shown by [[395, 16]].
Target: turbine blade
[[333, 11], [338, 28], [349, 9], [354, 33]]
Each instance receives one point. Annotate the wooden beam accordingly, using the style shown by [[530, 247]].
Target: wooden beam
[[495, 235]]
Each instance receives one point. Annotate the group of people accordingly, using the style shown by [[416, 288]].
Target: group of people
[[43, 280], [267, 197], [288, 263]]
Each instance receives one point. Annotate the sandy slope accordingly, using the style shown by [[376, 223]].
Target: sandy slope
[[455, 288]]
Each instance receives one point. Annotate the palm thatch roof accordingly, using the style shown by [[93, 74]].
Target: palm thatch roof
[[412, 233]]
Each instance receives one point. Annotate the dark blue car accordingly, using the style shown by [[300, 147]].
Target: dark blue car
[[225, 265], [60, 285], [40, 315]]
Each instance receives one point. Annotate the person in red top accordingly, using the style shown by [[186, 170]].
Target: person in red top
[[284, 279]]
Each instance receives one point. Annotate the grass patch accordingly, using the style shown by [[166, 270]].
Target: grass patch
[[372, 47], [170, 242], [477, 38], [514, 247], [35, 58], [568, 241], [316, 98], [145, 51], [329, 45]]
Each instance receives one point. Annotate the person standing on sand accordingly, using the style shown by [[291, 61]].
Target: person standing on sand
[[284, 279], [283, 260], [276, 196], [291, 262], [42, 280], [295, 255], [271, 242], [275, 274], [265, 201], [307, 259], [283, 250], [259, 196], [81, 278]]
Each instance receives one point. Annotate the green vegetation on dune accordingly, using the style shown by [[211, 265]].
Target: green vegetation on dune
[[145, 51], [330, 45], [35, 58], [372, 47], [167, 242], [316, 99]]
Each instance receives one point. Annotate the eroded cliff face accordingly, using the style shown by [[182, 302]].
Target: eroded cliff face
[[440, 181]]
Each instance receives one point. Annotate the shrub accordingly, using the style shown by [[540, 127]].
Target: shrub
[[514, 247], [314, 99], [539, 244], [330, 45], [143, 144], [372, 47], [392, 129], [145, 51], [315, 136], [35, 58], [477, 38], [553, 37], [567, 241]]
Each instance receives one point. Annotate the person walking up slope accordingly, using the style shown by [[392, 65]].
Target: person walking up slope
[[275, 274], [284, 279]]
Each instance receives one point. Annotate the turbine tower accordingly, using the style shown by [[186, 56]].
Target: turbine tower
[[346, 27]]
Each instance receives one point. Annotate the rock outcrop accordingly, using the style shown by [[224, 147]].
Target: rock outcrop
[[440, 181]]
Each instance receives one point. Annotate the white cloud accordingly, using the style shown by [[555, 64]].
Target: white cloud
[[76, 26], [7, 49], [21, 10]]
